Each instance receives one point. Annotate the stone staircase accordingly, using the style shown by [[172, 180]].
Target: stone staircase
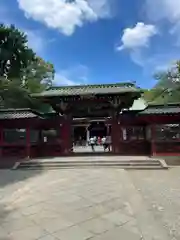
[[71, 164]]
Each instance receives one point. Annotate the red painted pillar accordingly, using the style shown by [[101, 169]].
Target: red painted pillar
[[66, 141], [153, 137], [28, 143], [115, 134]]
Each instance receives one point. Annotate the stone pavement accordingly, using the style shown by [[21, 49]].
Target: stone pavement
[[161, 192], [87, 149], [82, 204]]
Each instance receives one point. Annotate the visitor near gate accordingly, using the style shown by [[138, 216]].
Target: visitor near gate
[[103, 141], [99, 140], [92, 141]]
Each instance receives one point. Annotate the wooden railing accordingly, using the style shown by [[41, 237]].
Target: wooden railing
[[135, 147], [167, 147]]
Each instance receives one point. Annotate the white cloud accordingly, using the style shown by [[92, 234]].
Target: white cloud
[[72, 76], [65, 15], [137, 37], [163, 9], [168, 10]]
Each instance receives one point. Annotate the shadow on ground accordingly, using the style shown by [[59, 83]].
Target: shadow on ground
[[12, 176], [8, 178]]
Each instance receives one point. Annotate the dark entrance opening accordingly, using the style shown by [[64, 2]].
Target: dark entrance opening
[[80, 136], [98, 129]]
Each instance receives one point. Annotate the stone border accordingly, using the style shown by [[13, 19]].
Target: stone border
[[16, 165]]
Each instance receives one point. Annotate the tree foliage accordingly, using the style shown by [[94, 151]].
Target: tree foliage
[[14, 52], [167, 89], [22, 72], [39, 75]]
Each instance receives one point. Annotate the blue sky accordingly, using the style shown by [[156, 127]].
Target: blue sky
[[100, 41]]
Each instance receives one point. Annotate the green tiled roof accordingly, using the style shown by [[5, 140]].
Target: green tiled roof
[[161, 109], [89, 89], [17, 114]]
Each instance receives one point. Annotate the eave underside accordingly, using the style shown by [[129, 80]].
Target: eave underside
[[100, 105]]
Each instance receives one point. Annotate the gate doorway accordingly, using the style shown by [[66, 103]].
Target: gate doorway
[[98, 129], [82, 135]]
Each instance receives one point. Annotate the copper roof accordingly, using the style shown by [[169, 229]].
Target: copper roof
[[17, 114], [89, 90], [171, 108]]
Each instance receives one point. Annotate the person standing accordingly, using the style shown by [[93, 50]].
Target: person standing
[[95, 140], [92, 143], [103, 140]]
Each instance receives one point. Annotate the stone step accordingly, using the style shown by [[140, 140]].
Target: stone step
[[143, 164], [92, 162]]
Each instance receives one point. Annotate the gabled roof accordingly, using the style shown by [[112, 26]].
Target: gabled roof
[[89, 89], [17, 114]]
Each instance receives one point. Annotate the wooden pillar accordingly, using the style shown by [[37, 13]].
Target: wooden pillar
[[87, 135], [66, 134], [115, 134], [28, 143], [108, 130], [153, 138]]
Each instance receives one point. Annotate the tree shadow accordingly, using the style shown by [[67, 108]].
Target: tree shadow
[[8, 176]]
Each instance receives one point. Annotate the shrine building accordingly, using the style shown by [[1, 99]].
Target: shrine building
[[80, 112]]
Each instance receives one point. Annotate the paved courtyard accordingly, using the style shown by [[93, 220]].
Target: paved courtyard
[[96, 204], [88, 149]]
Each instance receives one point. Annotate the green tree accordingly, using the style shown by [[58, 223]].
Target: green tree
[[15, 55], [167, 89], [38, 76], [13, 96], [21, 71]]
